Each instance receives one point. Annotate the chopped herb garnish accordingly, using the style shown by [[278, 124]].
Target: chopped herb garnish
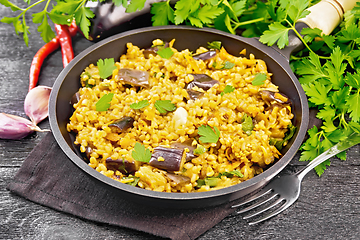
[[223, 65], [104, 102], [228, 65], [231, 174], [165, 53], [106, 67], [200, 149], [247, 124], [132, 183], [214, 45], [208, 135], [227, 89], [140, 153], [164, 106], [214, 181], [259, 79], [288, 135], [140, 105], [209, 181], [87, 80]]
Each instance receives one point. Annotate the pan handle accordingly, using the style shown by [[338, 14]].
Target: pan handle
[[325, 15]]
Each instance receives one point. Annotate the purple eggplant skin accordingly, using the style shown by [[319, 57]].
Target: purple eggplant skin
[[193, 94], [205, 55], [111, 19], [122, 165], [153, 50], [270, 96], [178, 179], [187, 146], [75, 98], [170, 159], [134, 77], [122, 124], [202, 81]]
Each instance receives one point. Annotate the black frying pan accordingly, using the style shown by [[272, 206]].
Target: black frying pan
[[68, 83]]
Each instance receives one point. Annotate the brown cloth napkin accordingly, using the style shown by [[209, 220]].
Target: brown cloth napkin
[[49, 178]]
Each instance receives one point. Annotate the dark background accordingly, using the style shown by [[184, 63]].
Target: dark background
[[328, 207]]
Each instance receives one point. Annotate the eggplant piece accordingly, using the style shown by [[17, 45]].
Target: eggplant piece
[[205, 55], [269, 96], [193, 94], [88, 151], [170, 159], [75, 98], [122, 165], [178, 179], [202, 81], [185, 145], [134, 77], [153, 50], [122, 124], [111, 19]]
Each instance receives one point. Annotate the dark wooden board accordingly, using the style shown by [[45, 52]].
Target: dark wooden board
[[328, 207]]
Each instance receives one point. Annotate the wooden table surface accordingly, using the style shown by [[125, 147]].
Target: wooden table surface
[[328, 207]]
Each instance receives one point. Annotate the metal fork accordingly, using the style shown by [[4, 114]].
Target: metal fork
[[283, 191]]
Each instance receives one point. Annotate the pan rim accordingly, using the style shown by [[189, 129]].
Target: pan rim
[[267, 175]]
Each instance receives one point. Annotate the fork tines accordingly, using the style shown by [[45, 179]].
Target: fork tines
[[259, 200]]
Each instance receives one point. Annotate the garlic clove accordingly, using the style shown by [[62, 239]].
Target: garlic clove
[[36, 103], [15, 127], [180, 117]]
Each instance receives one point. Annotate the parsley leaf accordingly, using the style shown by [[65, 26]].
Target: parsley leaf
[[140, 153], [208, 135], [135, 5], [164, 106], [259, 79], [140, 105], [104, 102], [106, 67], [162, 13], [353, 103], [227, 89], [317, 93], [276, 33], [216, 45], [165, 52], [228, 65], [82, 16], [44, 28]]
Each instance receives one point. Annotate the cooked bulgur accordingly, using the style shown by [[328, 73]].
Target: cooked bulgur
[[242, 117]]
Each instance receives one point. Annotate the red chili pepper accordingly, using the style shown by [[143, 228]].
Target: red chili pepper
[[65, 43], [43, 52]]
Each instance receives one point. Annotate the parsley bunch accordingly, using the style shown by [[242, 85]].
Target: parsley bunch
[[251, 17], [329, 72]]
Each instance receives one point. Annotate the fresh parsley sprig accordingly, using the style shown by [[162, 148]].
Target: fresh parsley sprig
[[140, 153], [104, 102], [251, 16], [330, 75], [208, 134]]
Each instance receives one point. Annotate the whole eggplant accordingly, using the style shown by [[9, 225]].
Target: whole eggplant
[[110, 19]]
